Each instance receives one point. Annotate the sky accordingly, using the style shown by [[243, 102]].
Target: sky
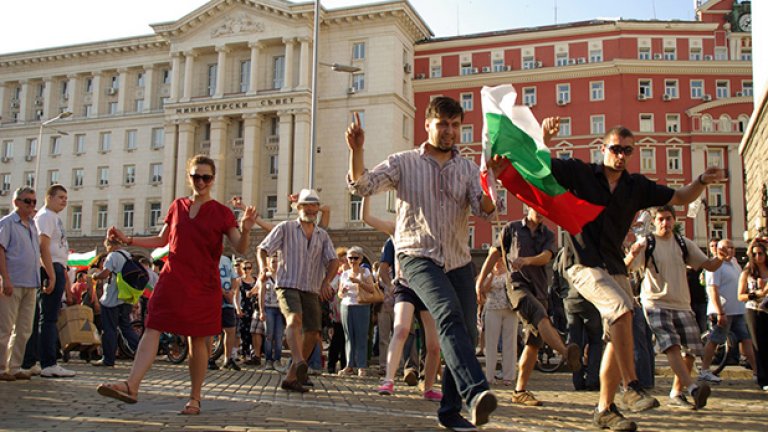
[[36, 24]]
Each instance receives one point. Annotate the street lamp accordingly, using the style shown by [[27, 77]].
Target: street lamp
[[44, 124]]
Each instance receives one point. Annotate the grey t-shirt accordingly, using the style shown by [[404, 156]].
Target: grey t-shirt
[[114, 263]]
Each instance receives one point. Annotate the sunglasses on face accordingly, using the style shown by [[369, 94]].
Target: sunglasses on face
[[206, 178], [28, 201], [619, 149], [247, 267], [353, 258]]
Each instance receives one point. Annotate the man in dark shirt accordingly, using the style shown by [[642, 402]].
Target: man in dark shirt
[[598, 272]]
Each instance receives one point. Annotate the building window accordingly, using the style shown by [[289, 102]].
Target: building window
[[596, 90], [697, 89], [140, 79], [467, 134], [723, 89], [238, 167], [715, 158], [166, 76], [31, 147], [596, 155], [529, 96], [155, 214], [529, 62], [597, 124], [355, 208], [55, 146], [212, 72], [716, 195], [645, 88], [53, 177], [694, 54], [644, 53], [157, 137], [79, 144], [6, 182], [724, 123], [717, 230], [565, 154], [721, 53], [87, 110], [278, 71], [245, 75], [129, 174], [130, 139], [139, 105], [467, 101], [561, 59], [563, 93], [647, 160], [747, 88], [103, 176], [101, 217], [646, 122], [466, 68], [436, 71], [706, 123], [565, 127], [674, 161], [29, 179], [498, 65], [89, 85], [76, 217], [273, 161], [112, 108], [128, 215], [114, 82], [358, 81], [673, 123], [78, 175], [8, 149], [670, 53], [105, 142], [745, 55], [64, 90], [595, 55], [358, 51], [670, 88], [471, 230], [271, 206], [156, 173]]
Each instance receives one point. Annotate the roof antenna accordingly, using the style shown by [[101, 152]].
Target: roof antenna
[[653, 6], [555, 11]]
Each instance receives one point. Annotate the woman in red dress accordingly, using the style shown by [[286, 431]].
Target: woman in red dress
[[187, 297]]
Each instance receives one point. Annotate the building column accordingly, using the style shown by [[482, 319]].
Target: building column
[[254, 72], [288, 69], [700, 228], [736, 195], [218, 152], [189, 67], [284, 164], [122, 91], [252, 145], [221, 71], [175, 76], [3, 104], [301, 151], [304, 61], [171, 172], [74, 89], [186, 150], [47, 107], [24, 100], [96, 94], [149, 89]]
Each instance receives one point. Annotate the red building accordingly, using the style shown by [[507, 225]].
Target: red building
[[683, 87]]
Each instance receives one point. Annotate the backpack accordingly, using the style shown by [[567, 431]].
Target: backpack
[[132, 279], [650, 245]]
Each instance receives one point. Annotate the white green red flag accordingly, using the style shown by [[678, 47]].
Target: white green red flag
[[81, 260], [512, 131], [160, 253]]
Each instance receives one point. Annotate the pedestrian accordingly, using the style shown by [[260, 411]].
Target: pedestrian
[[355, 316], [187, 297], [270, 317], [229, 311], [753, 290], [19, 268], [337, 346], [436, 188]]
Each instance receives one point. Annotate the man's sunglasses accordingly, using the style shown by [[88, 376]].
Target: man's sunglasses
[[206, 178], [28, 201], [618, 149]]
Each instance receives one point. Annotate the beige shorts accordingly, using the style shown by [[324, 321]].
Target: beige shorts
[[611, 294]]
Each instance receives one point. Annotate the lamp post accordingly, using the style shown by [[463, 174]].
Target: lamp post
[[44, 124]]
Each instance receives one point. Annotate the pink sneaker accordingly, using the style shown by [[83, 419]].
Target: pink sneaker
[[387, 388], [433, 395]]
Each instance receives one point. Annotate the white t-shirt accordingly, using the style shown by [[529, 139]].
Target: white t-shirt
[[350, 298], [49, 224], [727, 280]]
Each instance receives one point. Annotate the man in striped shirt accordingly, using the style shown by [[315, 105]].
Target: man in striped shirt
[[307, 267], [435, 188]]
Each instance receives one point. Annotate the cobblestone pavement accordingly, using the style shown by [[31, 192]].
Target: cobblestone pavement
[[251, 400]]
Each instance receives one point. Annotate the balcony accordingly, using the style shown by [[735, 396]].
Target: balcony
[[721, 210]]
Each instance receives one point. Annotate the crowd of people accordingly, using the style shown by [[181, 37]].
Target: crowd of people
[[415, 306]]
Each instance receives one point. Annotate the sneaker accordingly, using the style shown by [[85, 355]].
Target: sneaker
[[612, 419], [314, 371], [456, 423], [573, 357], [705, 375], [680, 401], [21, 375], [56, 371], [433, 395], [636, 399], [5, 376], [411, 377], [525, 398], [34, 370], [212, 365], [100, 363], [269, 365], [387, 388], [765, 388], [700, 395], [231, 365], [482, 406]]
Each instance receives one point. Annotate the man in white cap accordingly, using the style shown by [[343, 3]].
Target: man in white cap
[[303, 278]]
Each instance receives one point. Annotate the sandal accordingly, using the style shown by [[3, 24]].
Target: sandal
[[116, 392], [190, 409]]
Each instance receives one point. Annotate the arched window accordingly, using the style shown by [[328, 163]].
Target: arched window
[[724, 123], [743, 122], [706, 123]]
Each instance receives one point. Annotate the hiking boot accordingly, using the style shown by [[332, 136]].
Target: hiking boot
[[681, 402], [636, 399], [573, 357], [482, 406], [612, 419], [700, 395], [387, 388], [526, 398], [705, 375], [411, 377]]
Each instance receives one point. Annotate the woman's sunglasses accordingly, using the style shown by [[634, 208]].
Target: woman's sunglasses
[[206, 178]]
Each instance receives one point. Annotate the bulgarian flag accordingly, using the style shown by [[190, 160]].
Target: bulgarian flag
[[81, 260], [160, 253], [513, 132]]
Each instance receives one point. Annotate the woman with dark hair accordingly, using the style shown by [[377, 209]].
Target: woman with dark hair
[[753, 290], [187, 297]]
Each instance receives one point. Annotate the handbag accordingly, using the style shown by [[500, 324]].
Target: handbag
[[365, 297]]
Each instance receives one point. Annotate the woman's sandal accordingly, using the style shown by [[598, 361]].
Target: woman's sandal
[[190, 409], [116, 391]]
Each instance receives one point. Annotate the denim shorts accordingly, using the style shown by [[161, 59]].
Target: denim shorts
[[736, 324]]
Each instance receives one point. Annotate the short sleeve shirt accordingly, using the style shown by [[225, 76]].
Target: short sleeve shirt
[[727, 280], [49, 224], [520, 241], [114, 263], [602, 238], [22, 251]]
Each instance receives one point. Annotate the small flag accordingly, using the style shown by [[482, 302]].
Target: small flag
[[81, 260]]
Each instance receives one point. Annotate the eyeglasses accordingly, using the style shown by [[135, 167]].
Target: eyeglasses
[[28, 201], [247, 267], [206, 178], [619, 149], [353, 258]]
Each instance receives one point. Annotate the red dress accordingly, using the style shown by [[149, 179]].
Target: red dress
[[187, 297]]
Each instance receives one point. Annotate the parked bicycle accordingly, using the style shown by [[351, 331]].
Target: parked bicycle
[[173, 346]]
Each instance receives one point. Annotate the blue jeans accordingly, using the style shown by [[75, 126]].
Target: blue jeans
[[645, 357], [50, 306], [111, 319], [450, 298], [355, 319], [273, 337], [315, 360]]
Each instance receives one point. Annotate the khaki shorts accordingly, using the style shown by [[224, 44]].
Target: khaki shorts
[[610, 294], [303, 303]]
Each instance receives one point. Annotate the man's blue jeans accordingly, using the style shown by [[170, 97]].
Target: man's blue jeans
[[111, 319], [645, 360], [274, 326], [585, 327], [451, 299], [50, 306]]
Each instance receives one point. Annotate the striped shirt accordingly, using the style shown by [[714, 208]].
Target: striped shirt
[[22, 251], [432, 203], [304, 261]]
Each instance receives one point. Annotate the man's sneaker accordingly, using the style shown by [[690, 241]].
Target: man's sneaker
[[212, 365], [612, 419], [34, 370], [700, 395], [706, 375], [433, 395], [56, 371], [269, 365], [387, 388], [680, 401], [636, 399], [456, 423], [411, 377], [482, 406], [573, 357], [525, 398]]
